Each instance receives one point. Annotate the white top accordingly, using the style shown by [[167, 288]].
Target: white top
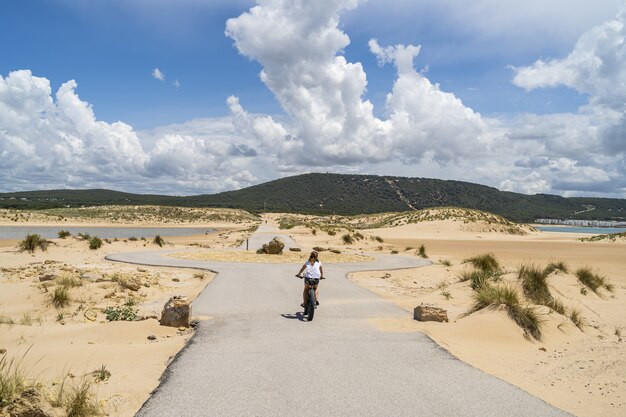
[[312, 271]]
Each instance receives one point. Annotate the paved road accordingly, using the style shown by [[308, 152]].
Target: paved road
[[264, 234], [257, 356]]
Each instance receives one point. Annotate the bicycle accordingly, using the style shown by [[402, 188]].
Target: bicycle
[[310, 303]]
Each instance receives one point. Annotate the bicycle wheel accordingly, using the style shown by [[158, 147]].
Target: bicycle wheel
[[311, 304]]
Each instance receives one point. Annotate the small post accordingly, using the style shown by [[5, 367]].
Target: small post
[[246, 244]]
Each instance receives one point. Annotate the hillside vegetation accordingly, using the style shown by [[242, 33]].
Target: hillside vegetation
[[129, 215], [487, 222], [330, 194]]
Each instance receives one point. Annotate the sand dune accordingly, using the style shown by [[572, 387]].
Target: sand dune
[[580, 370]]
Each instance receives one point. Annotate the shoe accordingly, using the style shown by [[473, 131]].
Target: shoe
[[317, 303]]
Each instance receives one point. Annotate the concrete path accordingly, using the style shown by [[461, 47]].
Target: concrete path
[[264, 234], [257, 356]]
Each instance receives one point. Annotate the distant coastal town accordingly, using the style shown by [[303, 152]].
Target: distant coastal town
[[582, 223]]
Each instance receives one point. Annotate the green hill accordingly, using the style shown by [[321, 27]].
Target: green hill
[[347, 195]]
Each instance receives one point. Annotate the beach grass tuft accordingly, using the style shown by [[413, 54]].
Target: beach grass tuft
[[12, 379], [101, 374], [422, 252], [61, 297], [486, 263], [446, 262], [556, 266], [78, 400], [525, 317], [535, 284], [69, 282], [593, 281], [478, 279], [577, 318], [557, 305]]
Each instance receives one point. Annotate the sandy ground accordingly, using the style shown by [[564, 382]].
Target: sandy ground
[[580, 371], [73, 341]]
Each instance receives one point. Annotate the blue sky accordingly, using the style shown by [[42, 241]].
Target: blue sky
[[472, 52]]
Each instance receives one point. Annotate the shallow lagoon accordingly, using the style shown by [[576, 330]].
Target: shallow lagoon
[[590, 230], [51, 232]]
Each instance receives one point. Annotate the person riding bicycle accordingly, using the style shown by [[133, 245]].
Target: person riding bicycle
[[312, 269]]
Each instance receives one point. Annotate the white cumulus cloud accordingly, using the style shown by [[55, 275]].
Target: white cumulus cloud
[[158, 74], [330, 122], [52, 141]]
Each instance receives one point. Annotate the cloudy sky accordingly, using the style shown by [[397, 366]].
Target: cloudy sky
[[200, 96]]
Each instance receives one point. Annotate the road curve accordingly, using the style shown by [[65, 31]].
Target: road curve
[[257, 356]]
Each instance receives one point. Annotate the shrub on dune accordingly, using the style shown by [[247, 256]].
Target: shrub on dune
[[95, 243], [63, 234], [158, 240], [33, 241]]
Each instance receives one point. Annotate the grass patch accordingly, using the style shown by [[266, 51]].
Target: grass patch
[[478, 279], [133, 239], [525, 317], [101, 374], [577, 318], [347, 239], [95, 243], [495, 296], [556, 266], [446, 262], [486, 263], [593, 281], [63, 234], [83, 236], [612, 237], [33, 241], [6, 320], [158, 240], [557, 305], [422, 252], [377, 239], [394, 252], [12, 379], [61, 297], [69, 282], [535, 284], [26, 320], [78, 400]]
